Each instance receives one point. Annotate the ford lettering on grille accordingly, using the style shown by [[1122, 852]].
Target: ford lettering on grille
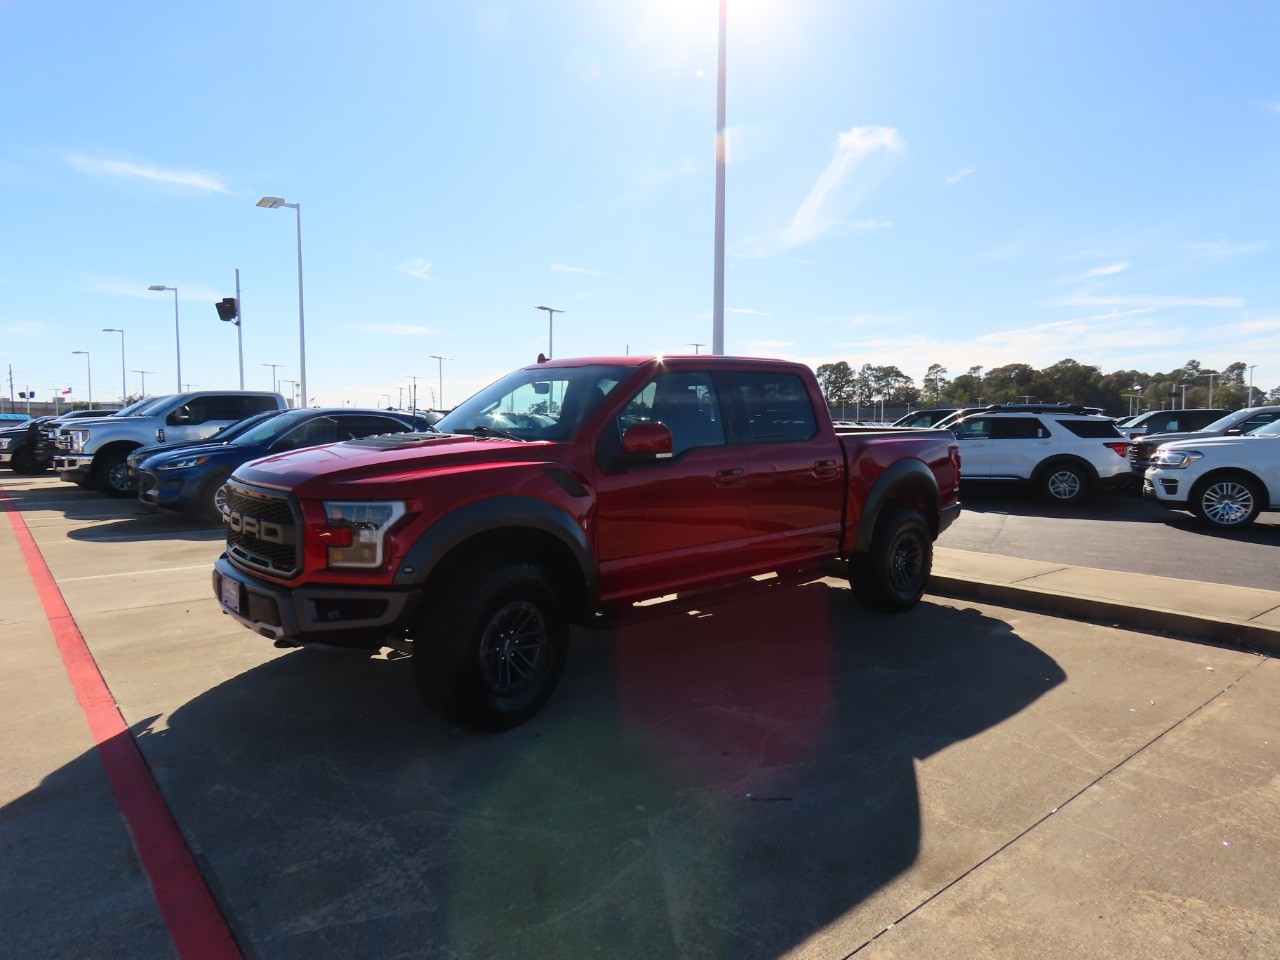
[[253, 527]]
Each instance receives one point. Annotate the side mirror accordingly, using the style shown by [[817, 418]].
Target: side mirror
[[647, 441], [1234, 432], [181, 415], [541, 387]]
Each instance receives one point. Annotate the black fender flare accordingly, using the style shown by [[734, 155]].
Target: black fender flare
[[492, 514], [913, 473]]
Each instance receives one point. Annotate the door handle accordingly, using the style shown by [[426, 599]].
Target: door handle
[[825, 469], [730, 478]]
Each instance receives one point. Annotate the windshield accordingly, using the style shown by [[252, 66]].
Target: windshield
[[140, 408], [1272, 429], [265, 431], [233, 430], [540, 403]]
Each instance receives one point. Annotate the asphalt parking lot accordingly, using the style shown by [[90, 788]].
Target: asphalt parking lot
[[784, 775]]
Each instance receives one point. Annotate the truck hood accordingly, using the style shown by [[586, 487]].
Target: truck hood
[[175, 451], [372, 468]]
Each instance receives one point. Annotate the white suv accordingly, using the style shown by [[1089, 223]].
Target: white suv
[[1225, 481], [1065, 451]]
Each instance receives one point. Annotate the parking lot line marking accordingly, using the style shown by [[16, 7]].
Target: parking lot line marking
[[135, 573], [190, 913]]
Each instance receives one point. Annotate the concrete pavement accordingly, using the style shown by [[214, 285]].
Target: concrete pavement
[[786, 775]]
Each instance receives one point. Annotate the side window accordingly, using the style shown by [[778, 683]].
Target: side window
[[775, 407], [1256, 421], [201, 410], [309, 434], [1017, 428], [979, 428], [685, 402], [238, 408]]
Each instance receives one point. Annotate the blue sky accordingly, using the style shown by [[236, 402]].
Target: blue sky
[[909, 183]]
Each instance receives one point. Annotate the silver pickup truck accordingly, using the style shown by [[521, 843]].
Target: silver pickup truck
[[93, 452]]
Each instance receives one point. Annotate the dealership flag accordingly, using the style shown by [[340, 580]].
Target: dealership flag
[[66, 391]]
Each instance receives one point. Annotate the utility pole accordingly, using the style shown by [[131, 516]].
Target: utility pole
[[413, 393], [400, 405], [551, 315], [440, 374]]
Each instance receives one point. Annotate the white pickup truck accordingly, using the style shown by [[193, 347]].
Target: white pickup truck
[[1225, 481], [93, 452]]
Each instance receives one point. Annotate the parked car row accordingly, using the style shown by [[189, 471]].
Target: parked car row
[[1222, 466], [196, 441]]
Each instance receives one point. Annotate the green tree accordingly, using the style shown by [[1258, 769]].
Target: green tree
[[836, 381]]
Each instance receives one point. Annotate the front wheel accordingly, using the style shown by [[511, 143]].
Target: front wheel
[[111, 474], [489, 646], [24, 462], [893, 575], [1229, 502]]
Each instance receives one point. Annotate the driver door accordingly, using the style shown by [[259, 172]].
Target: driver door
[[665, 524]]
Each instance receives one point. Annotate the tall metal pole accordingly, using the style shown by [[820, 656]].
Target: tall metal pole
[[717, 309], [240, 328], [551, 313], [88, 373], [124, 388], [440, 376], [413, 394], [273, 366], [302, 328]]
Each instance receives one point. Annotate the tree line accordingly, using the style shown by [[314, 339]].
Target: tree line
[[1067, 381]]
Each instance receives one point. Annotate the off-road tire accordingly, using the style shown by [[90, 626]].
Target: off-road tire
[[892, 576], [489, 645]]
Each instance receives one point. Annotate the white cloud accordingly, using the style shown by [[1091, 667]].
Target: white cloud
[[118, 168], [839, 189], [584, 271], [1219, 249], [744, 311], [1110, 270], [961, 174], [416, 267], [1158, 303], [395, 329]]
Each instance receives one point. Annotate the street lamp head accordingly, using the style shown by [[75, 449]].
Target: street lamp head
[[270, 203], [85, 352], [112, 330], [160, 286]]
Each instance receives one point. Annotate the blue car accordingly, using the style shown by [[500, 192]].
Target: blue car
[[190, 477]]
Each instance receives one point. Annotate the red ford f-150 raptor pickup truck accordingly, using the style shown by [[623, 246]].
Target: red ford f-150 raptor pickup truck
[[567, 491]]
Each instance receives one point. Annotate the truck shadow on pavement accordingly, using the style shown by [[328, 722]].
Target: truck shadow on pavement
[[721, 783]]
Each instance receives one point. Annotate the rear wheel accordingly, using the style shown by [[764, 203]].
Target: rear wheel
[[489, 647], [1064, 482], [1227, 502], [893, 575], [111, 474]]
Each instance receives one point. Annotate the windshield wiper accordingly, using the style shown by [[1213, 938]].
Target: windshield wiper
[[483, 431]]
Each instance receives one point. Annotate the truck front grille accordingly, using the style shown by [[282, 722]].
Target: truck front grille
[[263, 530]]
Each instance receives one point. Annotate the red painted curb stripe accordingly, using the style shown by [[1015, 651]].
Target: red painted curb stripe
[[192, 916]]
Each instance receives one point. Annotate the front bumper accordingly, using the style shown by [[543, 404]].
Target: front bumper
[[314, 614], [72, 467], [1169, 492]]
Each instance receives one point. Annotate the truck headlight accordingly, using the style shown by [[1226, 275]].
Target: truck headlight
[[186, 463], [1176, 459], [358, 530], [4, 443]]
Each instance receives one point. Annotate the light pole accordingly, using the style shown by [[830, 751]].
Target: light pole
[[124, 391], [1250, 403], [143, 374], [293, 390], [271, 203], [717, 309], [1212, 377], [440, 376], [551, 315], [177, 336], [413, 393], [274, 367], [88, 374], [696, 347]]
